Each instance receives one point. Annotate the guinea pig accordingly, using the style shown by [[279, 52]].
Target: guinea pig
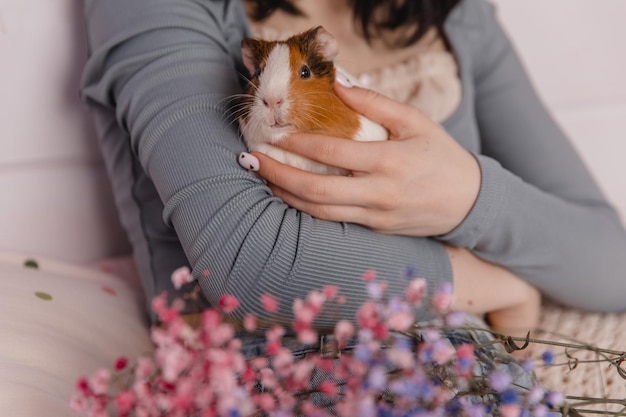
[[290, 90]]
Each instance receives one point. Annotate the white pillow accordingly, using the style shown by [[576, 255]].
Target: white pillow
[[90, 320]]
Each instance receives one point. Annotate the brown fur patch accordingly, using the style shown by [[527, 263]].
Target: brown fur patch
[[259, 49], [316, 107]]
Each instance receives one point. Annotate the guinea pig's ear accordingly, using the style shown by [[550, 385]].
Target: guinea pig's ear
[[327, 42], [248, 48]]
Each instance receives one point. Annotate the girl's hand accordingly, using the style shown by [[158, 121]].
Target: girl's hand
[[420, 183]]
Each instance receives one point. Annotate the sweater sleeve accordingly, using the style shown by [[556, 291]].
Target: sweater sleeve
[[163, 71], [539, 212]]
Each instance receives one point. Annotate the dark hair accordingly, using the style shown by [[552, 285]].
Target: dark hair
[[376, 17]]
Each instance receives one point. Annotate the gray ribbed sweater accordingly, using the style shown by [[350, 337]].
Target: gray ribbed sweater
[[155, 83]]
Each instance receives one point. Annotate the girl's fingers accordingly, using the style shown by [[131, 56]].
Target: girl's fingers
[[395, 116], [313, 188], [342, 153], [336, 213]]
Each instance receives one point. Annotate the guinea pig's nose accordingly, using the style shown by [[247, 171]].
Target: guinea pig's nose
[[272, 102]]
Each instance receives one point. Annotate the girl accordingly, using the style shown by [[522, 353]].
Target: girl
[[477, 185]]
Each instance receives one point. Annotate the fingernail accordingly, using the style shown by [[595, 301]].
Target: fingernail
[[342, 78], [248, 161]]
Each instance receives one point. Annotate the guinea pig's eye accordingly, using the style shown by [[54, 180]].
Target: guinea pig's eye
[[256, 73], [305, 72]]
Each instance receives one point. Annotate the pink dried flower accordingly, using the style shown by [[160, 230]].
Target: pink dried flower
[[210, 320], [82, 385], [509, 410], [166, 313], [307, 336], [443, 351], [125, 401], [465, 360], [99, 382], [228, 303], [369, 275], [367, 315], [330, 291], [173, 360], [344, 330], [328, 388], [250, 322], [442, 299], [465, 351], [401, 321], [402, 358], [181, 276], [302, 372], [283, 360], [315, 300], [275, 333], [270, 304], [159, 303], [380, 331], [249, 375], [304, 316], [268, 378], [222, 334], [415, 291], [272, 347], [121, 363], [144, 368], [265, 402], [78, 403]]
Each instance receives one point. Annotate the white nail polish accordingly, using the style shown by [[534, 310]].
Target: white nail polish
[[248, 161], [342, 78]]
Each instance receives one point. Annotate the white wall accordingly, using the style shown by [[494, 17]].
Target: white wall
[[575, 52], [55, 199]]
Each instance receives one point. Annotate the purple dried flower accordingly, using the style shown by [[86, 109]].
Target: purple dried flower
[[528, 365], [455, 318], [410, 272], [548, 357], [377, 378], [499, 381], [509, 396], [535, 395], [555, 398], [540, 410]]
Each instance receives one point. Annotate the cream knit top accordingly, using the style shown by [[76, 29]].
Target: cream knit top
[[429, 80]]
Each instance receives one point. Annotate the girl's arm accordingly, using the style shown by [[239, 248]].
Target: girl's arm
[[157, 82], [539, 213]]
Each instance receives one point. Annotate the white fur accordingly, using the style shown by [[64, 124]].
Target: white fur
[[274, 80], [370, 131], [273, 85]]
